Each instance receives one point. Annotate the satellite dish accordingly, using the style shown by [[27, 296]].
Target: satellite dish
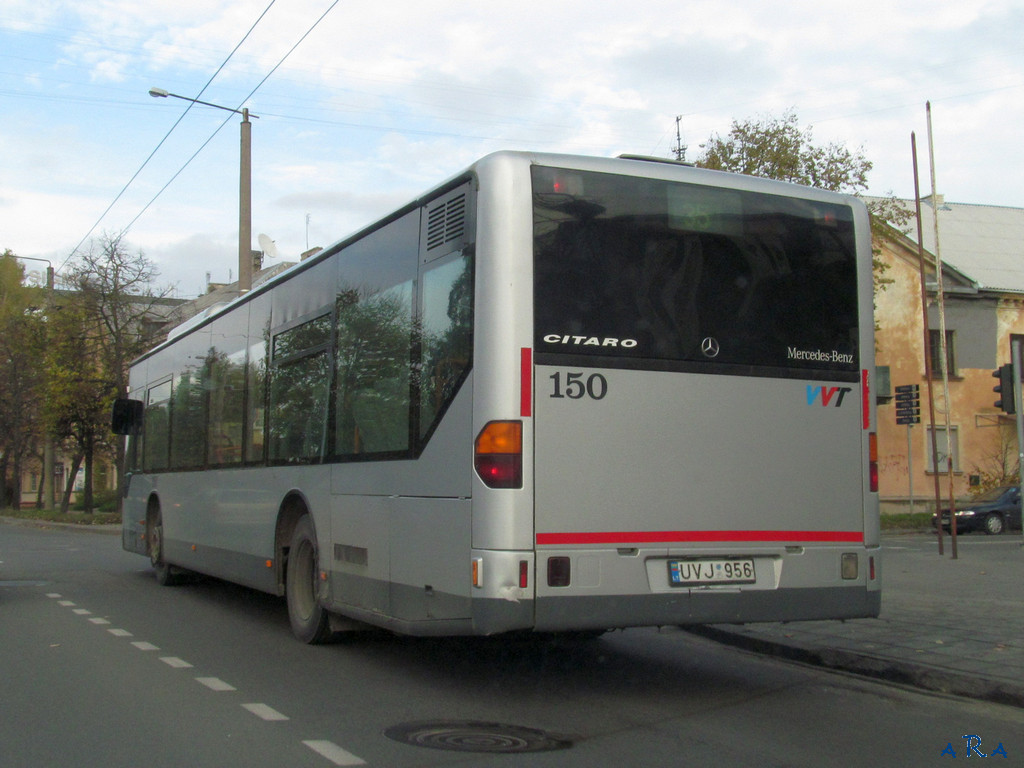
[[267, 246]]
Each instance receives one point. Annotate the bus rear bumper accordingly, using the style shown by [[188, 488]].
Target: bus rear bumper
[[555, 614]]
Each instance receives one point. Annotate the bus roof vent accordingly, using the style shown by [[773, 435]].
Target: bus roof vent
[[446, 221]]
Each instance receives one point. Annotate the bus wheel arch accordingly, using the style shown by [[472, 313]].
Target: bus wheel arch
[[298, 554], [292, 509]]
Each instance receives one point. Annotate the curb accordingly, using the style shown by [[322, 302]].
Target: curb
[[889, 670], [28, 522]]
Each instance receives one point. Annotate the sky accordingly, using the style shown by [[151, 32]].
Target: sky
[[361, 106]]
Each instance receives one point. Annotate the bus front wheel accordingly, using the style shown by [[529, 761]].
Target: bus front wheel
[[166, 574], [310, 622]]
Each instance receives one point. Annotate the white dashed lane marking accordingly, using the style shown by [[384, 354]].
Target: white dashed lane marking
[[334, 753], [215, 684], [263, 712], [326, 749], [174, 661]]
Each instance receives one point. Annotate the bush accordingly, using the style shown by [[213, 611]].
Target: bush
[[102, 501]]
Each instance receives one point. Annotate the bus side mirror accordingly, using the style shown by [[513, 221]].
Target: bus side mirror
[[126, 417]]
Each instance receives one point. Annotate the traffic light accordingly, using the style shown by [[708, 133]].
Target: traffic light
[[1005, 388]]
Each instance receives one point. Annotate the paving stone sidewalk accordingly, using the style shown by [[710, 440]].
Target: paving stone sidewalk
[[952, 626]]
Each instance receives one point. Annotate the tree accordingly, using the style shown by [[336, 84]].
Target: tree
[[22, 334], [103, 326], [80, 393], [777, 148]]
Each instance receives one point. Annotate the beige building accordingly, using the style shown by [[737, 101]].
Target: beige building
[[982, 249]]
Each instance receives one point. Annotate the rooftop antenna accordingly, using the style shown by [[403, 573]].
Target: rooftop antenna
[[681, 148]]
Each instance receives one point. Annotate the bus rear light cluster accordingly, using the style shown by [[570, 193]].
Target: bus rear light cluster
[[498, 454]]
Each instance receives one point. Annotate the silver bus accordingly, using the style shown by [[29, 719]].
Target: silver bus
[[554, 393]]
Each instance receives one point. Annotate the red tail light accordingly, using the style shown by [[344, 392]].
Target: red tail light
[[498, 454]]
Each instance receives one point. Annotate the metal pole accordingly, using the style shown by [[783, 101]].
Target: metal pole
[[942, 335], [245, 207], [910, 468], [928, 375]]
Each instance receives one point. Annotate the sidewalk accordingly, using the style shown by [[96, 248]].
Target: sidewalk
[[952, 626]]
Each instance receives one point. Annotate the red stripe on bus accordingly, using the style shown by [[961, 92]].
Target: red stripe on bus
[[686, 537], [866, 398], [525, 382]]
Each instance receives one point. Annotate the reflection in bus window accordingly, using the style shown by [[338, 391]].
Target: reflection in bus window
[[372, 390], [447, 336], [156, 432]]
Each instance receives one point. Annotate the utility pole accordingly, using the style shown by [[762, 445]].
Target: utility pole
[[929, 375], [244, 186], [245, 207], [940, 293]]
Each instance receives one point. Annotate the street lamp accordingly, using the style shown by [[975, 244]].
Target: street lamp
[[244, 187]]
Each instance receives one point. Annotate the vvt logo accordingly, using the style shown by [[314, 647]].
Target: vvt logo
[[828, 395]]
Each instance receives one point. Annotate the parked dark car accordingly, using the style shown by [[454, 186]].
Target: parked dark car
[[994, 511]]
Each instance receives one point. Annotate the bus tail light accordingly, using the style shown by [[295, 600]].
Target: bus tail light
[[873, 461], [498, 454]]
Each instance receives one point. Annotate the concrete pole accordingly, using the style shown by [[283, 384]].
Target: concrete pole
[[245, 208]]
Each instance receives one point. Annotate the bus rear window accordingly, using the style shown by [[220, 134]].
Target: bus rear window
[[650, 273]]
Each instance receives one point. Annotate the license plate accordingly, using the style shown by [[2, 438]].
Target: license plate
[[695, 573]]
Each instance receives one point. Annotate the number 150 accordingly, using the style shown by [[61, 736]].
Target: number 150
[[576, 387]]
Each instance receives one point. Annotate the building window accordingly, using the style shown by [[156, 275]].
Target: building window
[[935, 352], [944, 446]]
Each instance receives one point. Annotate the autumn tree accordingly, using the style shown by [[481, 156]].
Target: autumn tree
[[104, 320], [80, 392], [21, 343]]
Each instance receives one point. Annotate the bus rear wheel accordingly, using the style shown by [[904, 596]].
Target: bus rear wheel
[[310, 621]]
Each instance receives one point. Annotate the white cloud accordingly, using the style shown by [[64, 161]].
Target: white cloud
[[387, 99]]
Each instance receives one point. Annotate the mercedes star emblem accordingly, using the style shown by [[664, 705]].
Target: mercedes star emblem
[[710, 347]]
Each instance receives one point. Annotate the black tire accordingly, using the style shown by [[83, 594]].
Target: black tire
[[310, 622], [994, 524], [166, 575]]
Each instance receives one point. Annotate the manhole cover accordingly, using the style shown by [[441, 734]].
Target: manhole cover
[[471, 736]]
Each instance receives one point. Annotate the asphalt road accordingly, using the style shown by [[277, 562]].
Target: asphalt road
[[99, 666]]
